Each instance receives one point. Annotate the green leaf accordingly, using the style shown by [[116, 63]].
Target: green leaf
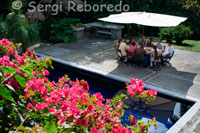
[[21, 80], [29, 114], [11, 88], [6, 94], [125, 106], [50, 127], [21, 117], [21, 128], [7, 69], [117, 98]]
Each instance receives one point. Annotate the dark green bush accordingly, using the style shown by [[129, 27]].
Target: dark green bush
[[178, 33], [3, 29], [62, 30], [21, 30]]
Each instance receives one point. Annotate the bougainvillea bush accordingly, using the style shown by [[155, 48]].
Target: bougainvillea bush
[[29, 102]]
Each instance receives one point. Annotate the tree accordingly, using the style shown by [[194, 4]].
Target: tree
[[192, 7]]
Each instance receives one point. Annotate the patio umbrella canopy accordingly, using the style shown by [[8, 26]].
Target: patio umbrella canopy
[[145, 19]]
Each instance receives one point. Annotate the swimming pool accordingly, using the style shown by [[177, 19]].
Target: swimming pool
[[166, 109]]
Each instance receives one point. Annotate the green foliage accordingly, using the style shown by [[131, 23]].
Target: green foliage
[[178, 33], [50, 127], [62, 31], [20, 30], [166, 33], [192, 9], [129, 29], [6, 94], [2, 28], [182, 32], [21, 80]]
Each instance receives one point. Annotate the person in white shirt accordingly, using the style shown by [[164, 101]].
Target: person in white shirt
[[123, 47], [169, 53]]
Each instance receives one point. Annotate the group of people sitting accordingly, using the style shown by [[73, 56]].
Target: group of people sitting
[[144, 51]]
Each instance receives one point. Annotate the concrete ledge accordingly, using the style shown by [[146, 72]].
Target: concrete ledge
[[185, 118]]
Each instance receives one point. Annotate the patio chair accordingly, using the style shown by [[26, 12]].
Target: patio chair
[[120, 58], [130, 58], [164, 47], [138, 58], [167, 61], [157, 61]]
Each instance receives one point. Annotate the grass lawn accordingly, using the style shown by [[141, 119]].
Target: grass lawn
[[189, 45]]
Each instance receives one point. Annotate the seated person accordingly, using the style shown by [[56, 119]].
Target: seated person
[[117, 46], [123, 47], [140, 51], [127, 43], [155, 53], [169, 53], [132, 49], [132, 41], [142, 41], [149, 42], [160, 46]]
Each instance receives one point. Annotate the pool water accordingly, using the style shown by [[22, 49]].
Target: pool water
[[167, 110]]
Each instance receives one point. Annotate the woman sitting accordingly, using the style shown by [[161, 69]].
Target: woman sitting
[[149, 42], [155, 56], [131, 50]]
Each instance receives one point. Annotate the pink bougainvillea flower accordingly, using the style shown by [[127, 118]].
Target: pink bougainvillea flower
[[10, 51], [29, 105], [5, 42], [133, 120], [41, 106], [153, 92], [46, 72], [6, 74], [94, 130], [25, 75], [19, 73], [27, 95]]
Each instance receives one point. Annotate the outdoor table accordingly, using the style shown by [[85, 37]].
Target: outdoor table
[[150, 50]]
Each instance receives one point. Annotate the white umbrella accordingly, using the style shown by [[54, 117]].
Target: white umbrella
[[145, 19]]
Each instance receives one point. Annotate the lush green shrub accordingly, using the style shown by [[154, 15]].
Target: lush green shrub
[[129, 30], [20, 29], [166, 33], [62, 30], [2, 28], [181, 32], [178, 33]]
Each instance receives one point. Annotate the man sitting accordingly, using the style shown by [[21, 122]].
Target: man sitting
[[123, 47], [141, 55], [142, 41], [169, 53], [160, 46]]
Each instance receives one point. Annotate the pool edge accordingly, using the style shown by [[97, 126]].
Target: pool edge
[[122, 79], [177, 126]]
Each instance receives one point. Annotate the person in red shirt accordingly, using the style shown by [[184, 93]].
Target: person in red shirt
[[132, 49]]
